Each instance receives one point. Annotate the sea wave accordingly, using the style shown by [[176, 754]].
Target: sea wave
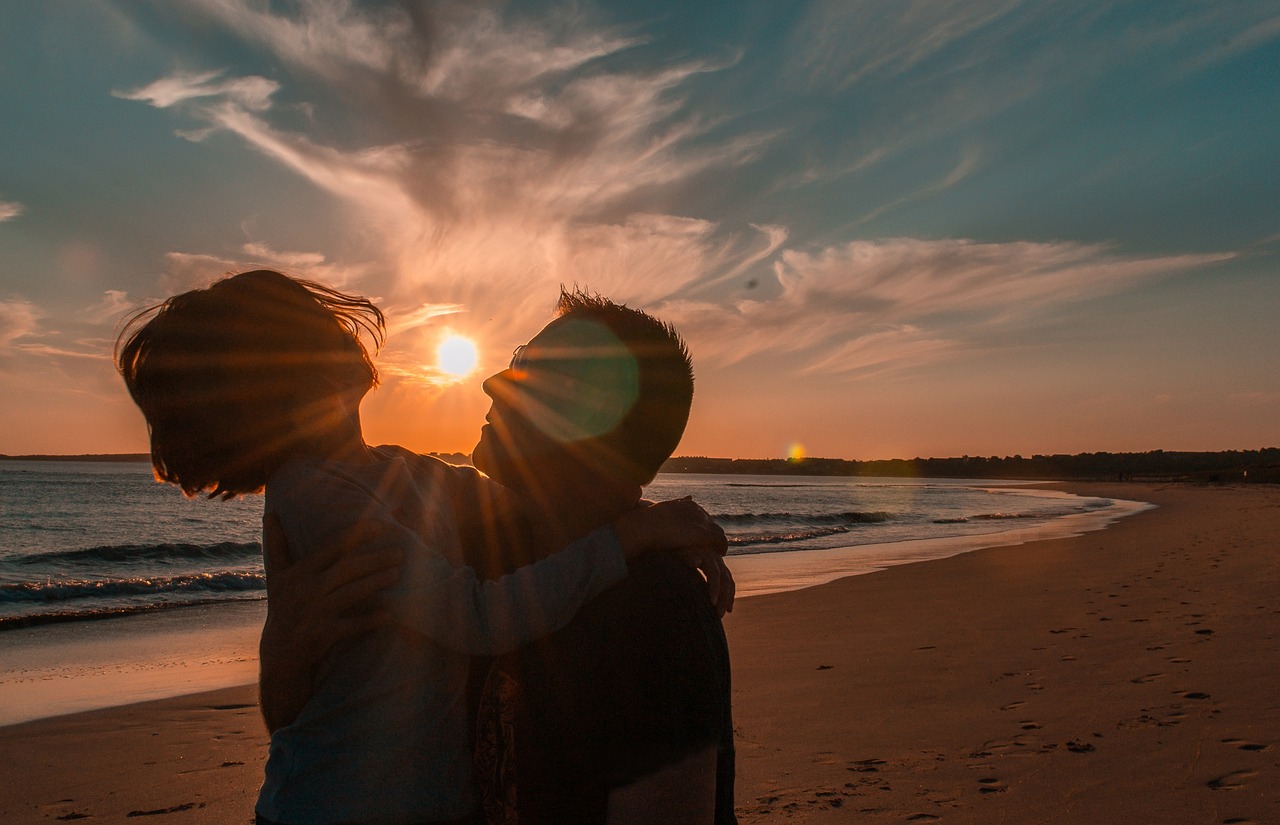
[[49, 591], [758, 484], [225, 551], [1004, 516], [744, 540], [91, 613], [844, 519]]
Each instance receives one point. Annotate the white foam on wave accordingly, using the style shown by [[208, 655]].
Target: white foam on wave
[[762, 573]]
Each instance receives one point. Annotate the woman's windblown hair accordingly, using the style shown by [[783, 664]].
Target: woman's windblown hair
[[227, 375]]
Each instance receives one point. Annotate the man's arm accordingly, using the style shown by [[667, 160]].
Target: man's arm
[[682, 793]]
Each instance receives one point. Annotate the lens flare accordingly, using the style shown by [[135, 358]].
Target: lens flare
[[456, 355]]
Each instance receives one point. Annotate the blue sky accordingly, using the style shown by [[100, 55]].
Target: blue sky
[[886, 228]]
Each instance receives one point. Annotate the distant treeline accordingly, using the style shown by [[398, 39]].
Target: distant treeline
[[1231, 465], [88, 457]]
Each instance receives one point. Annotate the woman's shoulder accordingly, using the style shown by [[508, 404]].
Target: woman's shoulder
[[431, 468]]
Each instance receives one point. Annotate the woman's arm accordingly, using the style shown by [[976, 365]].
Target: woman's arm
[[450, 604]]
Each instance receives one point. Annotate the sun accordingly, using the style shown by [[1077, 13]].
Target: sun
[[456, 355]]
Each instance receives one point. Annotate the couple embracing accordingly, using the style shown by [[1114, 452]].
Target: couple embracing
[[533, 645]]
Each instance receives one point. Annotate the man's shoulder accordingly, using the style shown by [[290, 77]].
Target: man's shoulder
[[658, 617], [657, 583]]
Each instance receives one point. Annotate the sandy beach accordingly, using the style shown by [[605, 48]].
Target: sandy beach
[[1121, 676]]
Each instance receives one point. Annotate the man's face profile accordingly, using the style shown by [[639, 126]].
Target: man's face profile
[[573, 382]]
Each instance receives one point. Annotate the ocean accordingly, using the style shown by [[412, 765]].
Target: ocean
[[89, 540]]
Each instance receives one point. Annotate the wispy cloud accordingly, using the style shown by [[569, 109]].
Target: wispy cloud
[[966, 63], [19, 318], [1254, 35], [886, 350], [262, 252], [10, 210], [968, 162], [895, 303], [515, 155], [454, 51], [84, 334], [185, 271], [97, 353], [252, 93], [111, 307], [842, 43], [523, 160]]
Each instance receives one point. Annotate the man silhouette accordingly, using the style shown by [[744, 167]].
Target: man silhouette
[[623, 715]]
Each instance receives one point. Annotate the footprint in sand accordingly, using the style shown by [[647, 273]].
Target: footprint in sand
[[1146, 680], [1231, 781], [1246, 745], [991, 785], [1017, 704], [922, 818], [186, 806], [866, 765]]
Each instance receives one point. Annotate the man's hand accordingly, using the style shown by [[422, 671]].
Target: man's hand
[[313, 603], [720, 584], [681, 527]]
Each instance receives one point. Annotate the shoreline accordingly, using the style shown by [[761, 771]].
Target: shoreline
[[759, 574], [1118, 676], [69, 667]]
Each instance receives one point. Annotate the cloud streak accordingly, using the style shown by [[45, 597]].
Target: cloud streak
[[10, 210], [894, 303], [18, 319], [253, 93], [514, 156], [523, 158]]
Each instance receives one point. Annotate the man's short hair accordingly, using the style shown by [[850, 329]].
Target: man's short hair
[[652, 428]]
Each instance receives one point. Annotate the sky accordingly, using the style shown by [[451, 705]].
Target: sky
[[886, 228]]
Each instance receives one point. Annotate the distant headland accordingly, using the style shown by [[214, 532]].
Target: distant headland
[[1161, 465], [1156, 465]]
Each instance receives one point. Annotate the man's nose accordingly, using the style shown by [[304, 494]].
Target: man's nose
[[500, 385]]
